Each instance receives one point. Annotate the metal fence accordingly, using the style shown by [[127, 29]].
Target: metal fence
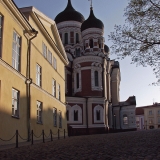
[[33, 135]]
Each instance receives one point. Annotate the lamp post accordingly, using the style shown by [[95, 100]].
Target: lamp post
[[114, 121]]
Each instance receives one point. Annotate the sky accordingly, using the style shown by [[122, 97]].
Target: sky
[[135, 80]]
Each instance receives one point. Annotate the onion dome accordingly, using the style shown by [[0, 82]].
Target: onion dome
[[106, 48], [92, 22], [69, 14]]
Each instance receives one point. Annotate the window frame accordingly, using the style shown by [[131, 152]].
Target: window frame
[[16, 43], [59, 91], [44, 50], [38, 75], [55, 117], [49, 56], [39, 112], [14, 114], [54, 63], [125, 119], [53, 87], [96, 79]]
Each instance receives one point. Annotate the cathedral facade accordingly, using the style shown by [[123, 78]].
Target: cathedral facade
[[92, 78]]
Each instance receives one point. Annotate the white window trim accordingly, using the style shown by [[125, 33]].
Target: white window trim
[[79, 109], [15, 52], [38, 75], [77, 69], [50, 57], [39, 112], [15, 103], [99, 69], [100, 108], [54, 87], [59, 92]]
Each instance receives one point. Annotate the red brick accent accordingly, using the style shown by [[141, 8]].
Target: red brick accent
[[84, 64]]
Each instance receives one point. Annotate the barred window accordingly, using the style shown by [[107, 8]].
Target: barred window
[[39, 112], [55, 117], [49, 56], [54, 88], [1, 34], [38, 75], [15, 103], [16, 51], [44, 47]]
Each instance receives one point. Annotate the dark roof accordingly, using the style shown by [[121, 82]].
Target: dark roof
[[139, 110], [69, 14], [106, 48], [92, 22]]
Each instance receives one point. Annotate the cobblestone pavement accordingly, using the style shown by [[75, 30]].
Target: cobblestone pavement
[[137, 145]]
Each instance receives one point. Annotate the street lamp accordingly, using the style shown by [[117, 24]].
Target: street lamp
[[114, 121]]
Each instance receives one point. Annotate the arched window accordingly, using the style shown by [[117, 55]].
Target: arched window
[[77, 38], [91, 43], [98, 115], [125, 119], [77, 52], [77, 79], [66, 38], [75, 115], [96, 78]]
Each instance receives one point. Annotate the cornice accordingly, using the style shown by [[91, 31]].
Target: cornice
[[14, 9], [88, 59]]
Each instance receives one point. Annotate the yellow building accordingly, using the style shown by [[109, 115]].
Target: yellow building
[[32, 78]]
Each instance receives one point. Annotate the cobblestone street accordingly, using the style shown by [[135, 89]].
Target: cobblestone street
[[135, 145]]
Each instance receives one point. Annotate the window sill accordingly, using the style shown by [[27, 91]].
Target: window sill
[[15, 117]]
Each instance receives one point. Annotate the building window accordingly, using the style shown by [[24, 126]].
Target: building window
[[54, 88], [38, 74], [55, 117], [49, 56], [150, 112], [16, 51], [44, 50], [96, 78], [54, 63], [59, 92], [75, 115], [77, 38], [78, 51], [60, 119], [72, 37], [125, 119], [1, 34], [158, 112], [15, 103], [39, 112], [91, 43], [77, 79], [66, 38], [98, 115], [67, 115]]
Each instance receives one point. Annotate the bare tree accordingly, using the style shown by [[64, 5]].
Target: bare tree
[[139, 37]]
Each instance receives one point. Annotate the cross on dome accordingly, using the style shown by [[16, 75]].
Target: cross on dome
[[91, 2]]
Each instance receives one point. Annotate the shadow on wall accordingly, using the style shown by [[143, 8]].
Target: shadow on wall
[[15, 118]]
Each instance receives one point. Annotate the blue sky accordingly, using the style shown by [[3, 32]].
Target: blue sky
[[134, 80]]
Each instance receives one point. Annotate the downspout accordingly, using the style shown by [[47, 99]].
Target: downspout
[[104, 91], [29, 82]]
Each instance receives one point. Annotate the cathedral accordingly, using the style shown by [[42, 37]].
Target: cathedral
[[92, 78]]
